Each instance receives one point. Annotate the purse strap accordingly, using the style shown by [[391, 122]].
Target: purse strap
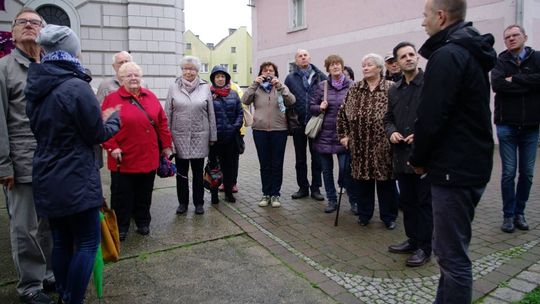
[[325, 90], [152, 122]]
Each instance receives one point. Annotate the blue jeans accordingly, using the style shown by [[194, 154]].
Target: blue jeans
[[516, 144], [270, 147], [453, 213], [327, 162], [76, 240]]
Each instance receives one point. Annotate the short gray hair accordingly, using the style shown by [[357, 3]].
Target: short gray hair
[[377, 59], [123, 53], [127, 65], [456, 9], [191, 60]]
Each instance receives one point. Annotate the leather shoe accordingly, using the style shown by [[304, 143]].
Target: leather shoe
[[418, 258], [38, 297], [229, 197], [404, 247], [362, 222], [317, 196], [299, 194], [143, 230], [199, 209], [181, 209], [49, 285], [508, 225], [390, 225], [331, 207], [520, 222]]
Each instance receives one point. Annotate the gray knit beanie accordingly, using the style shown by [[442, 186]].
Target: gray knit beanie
[[55, 37]]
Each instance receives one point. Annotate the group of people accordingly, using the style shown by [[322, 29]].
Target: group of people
[[429, 131]]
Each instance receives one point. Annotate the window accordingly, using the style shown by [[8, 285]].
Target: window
[[54, 15], [250, 71], [292, 65], [204, 68], [188, 46], [226, 66], [235, 68], [233, 49], [297, 16]]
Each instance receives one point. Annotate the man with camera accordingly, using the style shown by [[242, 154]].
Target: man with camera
[[302, 82]]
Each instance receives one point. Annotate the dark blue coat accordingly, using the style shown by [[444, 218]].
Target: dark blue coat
[[228, 111], [66, 120], [327, 141], [296, 85]]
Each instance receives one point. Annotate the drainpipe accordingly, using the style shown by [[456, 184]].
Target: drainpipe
[[519, 12]]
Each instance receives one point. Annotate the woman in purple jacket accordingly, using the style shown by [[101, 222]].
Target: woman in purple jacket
[[327, 143]]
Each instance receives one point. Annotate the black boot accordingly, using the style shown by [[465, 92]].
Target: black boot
[[215, 198], [229, 197], [331, 207]]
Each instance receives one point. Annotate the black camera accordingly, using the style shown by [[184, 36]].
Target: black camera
[[268, 79]]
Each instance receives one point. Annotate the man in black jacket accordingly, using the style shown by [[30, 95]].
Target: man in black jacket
[[453, 140], [414, 190], [302, 82], [516, 83]]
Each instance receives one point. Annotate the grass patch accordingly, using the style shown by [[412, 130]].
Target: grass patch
[[532, 297]]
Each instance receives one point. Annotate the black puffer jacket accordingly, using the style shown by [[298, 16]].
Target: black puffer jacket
[[517, 102], [453, 134], [228, 110]]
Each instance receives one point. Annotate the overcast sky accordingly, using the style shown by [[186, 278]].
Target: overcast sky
[[211, 19]]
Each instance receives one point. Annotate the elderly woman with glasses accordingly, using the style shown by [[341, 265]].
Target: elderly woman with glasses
[[134, 151], [190, 109], [360, 129]]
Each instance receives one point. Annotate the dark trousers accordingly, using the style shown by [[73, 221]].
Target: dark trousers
[[226, 155], [182, 183], [453, 212], [415, 200], [301, 142], [235, 165], [76, 240], [362, 193], [131, 196], [271, 152]]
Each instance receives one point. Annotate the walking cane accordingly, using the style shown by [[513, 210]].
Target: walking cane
[[338, 204]]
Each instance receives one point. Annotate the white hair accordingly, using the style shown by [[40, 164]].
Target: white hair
[[377, 59], [123, 53], [191, 60], [127, 65]]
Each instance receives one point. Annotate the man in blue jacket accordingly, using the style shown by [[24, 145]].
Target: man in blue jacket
[[302, 82], [516, 83], [453, 140]]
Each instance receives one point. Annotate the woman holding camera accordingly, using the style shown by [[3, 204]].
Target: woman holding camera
[[269, 97]]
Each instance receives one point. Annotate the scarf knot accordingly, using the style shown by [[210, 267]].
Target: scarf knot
[[220, 91]]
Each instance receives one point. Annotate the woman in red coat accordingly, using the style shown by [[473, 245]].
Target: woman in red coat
[[133, 153]]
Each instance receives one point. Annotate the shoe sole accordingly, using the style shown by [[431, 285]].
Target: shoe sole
[[400, 252], [508, 230], [419, 264]]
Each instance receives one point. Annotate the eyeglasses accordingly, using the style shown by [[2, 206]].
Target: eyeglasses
[[190, 69], [33, 22]]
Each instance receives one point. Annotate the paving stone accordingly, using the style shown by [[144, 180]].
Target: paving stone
[[507, 294], [529, 276], [521, 285]]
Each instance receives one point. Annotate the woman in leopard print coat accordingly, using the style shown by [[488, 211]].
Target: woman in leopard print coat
[[360, 129]]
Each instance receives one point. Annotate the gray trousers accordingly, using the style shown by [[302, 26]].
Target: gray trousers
[[31, 240]]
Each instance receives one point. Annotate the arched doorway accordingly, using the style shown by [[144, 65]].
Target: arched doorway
[[54, 15]]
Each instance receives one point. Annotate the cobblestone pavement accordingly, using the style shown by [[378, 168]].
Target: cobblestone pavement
[[352, 264]]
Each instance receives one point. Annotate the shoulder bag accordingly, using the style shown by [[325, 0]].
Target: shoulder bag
[[314, 125]]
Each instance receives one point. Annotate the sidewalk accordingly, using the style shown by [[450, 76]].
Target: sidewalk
[[242, 253]]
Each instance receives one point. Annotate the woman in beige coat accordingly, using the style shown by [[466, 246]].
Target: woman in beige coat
[[190, 111]]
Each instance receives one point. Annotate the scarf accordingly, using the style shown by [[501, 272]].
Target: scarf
[[338, 84], [190, 85], [305, 75], [66, 57], [267, 86], [221, 91]]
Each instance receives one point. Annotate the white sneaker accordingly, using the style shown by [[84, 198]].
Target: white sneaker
[[265, 200], [275, 202]]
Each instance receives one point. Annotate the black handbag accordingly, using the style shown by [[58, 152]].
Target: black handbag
[[240, 144], [292, 120]]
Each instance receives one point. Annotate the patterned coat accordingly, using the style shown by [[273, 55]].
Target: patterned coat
[[361, 119]]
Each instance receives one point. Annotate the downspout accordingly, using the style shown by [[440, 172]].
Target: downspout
[[519, 12]]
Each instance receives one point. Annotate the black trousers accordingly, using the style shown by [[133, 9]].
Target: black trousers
[[131, 196], [453, 212], [182, 183], [415, 200], [227, 156], [362, 193], [301, 143]]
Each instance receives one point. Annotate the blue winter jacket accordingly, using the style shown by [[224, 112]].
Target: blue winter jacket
[[296, 85], [228, 111], [66, 120]]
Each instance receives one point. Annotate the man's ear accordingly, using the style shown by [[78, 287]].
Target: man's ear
[[442, 18]]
